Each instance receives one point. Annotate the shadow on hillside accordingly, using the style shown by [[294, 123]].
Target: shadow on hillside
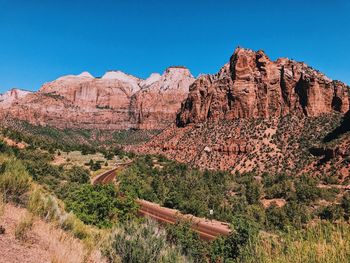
[[343, 128]]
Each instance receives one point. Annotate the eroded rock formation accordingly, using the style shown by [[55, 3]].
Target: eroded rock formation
[[160, 99], [115, 101], [259, 115], [253, 86]]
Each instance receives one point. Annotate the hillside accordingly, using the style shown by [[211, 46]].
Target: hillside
[[260, 115], [40, 241]]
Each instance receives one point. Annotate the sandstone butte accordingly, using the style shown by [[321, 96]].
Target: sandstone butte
[[116, 101], [253, 86], [254, 114]]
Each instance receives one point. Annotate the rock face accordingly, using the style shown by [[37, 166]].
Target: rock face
[[259, 115], [116, 101], [12, 96], [253, 86], [160, 98]]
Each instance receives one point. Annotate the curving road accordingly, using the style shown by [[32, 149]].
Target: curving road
[[207, 229]]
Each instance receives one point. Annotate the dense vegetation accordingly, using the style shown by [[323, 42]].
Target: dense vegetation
[[230, 195], [306, 223], [87, 141]]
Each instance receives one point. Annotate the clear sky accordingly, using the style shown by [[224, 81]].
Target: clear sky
[[42, 40]]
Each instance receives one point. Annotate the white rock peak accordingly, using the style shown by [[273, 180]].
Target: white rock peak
[[119, 75], [85, 74], [154, 77]]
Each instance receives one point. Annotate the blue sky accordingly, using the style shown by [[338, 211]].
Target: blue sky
[[42, 40]]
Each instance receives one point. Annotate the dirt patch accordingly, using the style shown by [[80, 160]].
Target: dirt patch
[[19, 145]]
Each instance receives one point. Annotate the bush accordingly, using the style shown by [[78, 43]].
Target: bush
[[252, 191], [4, 148], [44, 173], [94, 166], [181, 235], [23, 227], [78, 174], [345, 204], [278, 186], [49, 208], [15, 182], [100, 205], [331, 213], [244, 233], [297, 214], [95, 205], [307, 190], [276, 218], [142, 243]]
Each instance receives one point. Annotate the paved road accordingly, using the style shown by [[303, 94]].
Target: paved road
[[108, 176], [207, 229]]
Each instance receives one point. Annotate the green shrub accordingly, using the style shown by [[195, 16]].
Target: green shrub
[[100, 205], [181, 235], [44, 173], [4, 148], [306, 189], [15, 181], [244, 234], [276, 218], [78, 174], [50, 208], [331, 213], [297, 214], [345, 204], [141, 243], [252, 191]]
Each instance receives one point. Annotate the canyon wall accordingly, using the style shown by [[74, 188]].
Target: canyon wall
[[253, 86]]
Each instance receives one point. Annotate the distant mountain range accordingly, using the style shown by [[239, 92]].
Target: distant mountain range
[[255, 114], [114, 102]]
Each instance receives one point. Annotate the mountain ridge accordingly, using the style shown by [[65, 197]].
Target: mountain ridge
[[82, 101]]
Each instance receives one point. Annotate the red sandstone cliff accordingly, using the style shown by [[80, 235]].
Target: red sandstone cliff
[[253, 86], [115, 101], [259, 115], [158, 102]]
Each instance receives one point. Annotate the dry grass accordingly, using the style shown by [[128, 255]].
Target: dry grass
[[322, 242], [76, 158], [2, 204], [41, 241], [4, 158], [69, 159], [64, 248], [24, 226]]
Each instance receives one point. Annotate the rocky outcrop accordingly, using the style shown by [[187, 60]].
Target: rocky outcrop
[[12, 96], [253, 86], [156, 104], [116, 101], [260, 115]]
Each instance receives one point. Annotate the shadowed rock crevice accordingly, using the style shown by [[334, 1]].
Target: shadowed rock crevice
[[301, 90], [343, 128]]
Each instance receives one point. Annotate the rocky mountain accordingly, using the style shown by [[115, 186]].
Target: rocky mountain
[[114, 102], [256, 114], [160, 98], [253, 86]]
